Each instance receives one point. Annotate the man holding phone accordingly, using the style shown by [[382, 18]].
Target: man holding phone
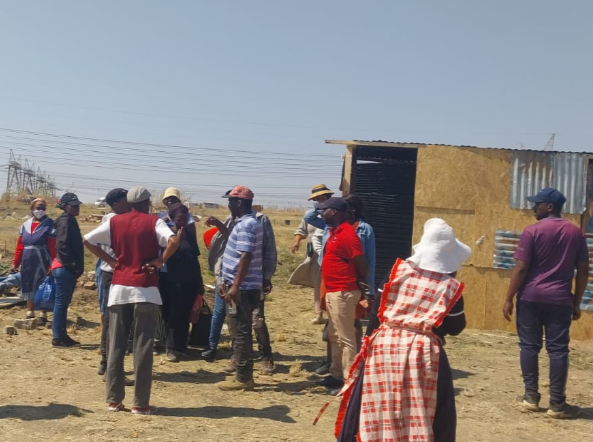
[[242, 281]]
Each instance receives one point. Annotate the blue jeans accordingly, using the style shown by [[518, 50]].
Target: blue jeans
[[532, 319], [217, 320], [65, 283]]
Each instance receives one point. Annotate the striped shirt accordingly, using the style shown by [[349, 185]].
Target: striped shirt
[[247, 236]]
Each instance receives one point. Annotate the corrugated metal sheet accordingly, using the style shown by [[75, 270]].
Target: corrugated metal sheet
[[532, 171], [505, 245]]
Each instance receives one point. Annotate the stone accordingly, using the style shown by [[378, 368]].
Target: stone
[[10, 330], [25, 324], [81, 322], [91, 285]]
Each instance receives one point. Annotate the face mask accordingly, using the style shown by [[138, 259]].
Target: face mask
[[39, 214]]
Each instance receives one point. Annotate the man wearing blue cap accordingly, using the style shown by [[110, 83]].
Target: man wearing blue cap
[[548, 253]]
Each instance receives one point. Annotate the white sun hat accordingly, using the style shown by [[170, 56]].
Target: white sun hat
[[439, 250]]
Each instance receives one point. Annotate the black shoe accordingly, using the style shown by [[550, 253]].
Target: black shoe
[[562, 410], [41, 321], [331, 382], [62, 343], [209, 354], [71, 342], [102, 368]]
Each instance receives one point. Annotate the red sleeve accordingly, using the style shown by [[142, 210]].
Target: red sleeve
[[353, 246], [51, 245], [18, 253]]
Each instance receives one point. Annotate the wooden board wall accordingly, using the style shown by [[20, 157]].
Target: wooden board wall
[[470, 189]]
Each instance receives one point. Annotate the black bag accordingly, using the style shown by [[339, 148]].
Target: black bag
[[200, 332]]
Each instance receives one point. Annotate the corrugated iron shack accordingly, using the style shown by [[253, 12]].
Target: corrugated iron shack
[[481, 193]]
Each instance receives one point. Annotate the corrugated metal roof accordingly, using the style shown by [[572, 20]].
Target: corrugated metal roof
[[532, 171], [382, 143]]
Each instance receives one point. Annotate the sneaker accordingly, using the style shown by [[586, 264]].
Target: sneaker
[[318, 320], [323, 368], [331, 382], [235, 385], [529, 402], [171, 356], [71, 342], [102, 368], [62, 343], [267, 366], [231, 366], [209, 354], [41, 321], [151, 409], [116, 406], [563, 410]]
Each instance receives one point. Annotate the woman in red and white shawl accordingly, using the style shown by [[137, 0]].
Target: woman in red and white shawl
[[398, 364]]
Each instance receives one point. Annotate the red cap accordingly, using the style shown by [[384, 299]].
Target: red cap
[[241, 192]]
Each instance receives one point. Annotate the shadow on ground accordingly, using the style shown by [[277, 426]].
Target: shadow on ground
[[40, 412], [276, 413]]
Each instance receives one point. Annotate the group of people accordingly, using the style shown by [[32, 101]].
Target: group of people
[[396, 384]]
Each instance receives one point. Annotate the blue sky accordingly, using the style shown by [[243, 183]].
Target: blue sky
[[250, 90]]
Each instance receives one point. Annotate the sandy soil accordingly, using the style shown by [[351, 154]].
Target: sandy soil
[[56, 395]]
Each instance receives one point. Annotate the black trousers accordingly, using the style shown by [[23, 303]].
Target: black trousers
[[241, 324], [181, 300]]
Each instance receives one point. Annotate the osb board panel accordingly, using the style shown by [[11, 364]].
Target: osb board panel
[[473, 295], [462, 222], [460, 178], [488, 219], [484, 297]]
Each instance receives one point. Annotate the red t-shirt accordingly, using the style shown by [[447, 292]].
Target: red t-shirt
[[338, 269]]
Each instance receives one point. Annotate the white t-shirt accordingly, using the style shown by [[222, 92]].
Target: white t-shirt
[[123, 294], [104, 266]]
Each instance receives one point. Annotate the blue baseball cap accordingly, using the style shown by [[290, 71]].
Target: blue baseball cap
[[548, 195]]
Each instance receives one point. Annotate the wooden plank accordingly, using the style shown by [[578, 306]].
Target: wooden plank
[[349, 170]]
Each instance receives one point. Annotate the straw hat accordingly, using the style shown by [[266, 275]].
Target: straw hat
[[318, 190], [439, 250]]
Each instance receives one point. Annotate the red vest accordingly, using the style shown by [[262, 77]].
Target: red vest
[[134, 241]]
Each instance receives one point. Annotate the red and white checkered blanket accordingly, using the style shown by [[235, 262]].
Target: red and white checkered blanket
[[401, 359]]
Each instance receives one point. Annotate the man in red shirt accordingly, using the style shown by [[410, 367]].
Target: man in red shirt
[[343, 270]]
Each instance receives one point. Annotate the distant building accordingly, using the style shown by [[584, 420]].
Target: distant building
[[211, 206]]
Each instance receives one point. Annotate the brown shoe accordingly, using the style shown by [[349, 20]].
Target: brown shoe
[[267, 366], [235, 385], [232, 365]]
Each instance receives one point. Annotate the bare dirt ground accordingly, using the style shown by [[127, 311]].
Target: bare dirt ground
[[55, 394]]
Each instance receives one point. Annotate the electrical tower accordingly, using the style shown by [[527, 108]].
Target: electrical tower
[[23, 181], [550, 143]]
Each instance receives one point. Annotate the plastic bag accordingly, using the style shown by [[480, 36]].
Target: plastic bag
[[46, 295]]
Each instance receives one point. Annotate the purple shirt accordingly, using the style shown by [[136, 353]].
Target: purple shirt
[[552, 247]]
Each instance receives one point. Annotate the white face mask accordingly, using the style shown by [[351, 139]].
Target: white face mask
[[38, 213]]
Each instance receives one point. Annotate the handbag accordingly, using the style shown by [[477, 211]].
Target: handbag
[[46, 294]]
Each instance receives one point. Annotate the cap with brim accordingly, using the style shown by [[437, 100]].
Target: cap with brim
[[70, 198], [241, 192], [439, 250], [548, 195], [227, 194], [318, 190], [115, 195], [337, 203], [138, 194]]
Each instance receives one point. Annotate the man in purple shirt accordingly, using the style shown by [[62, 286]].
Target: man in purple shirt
[[548, 253]]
